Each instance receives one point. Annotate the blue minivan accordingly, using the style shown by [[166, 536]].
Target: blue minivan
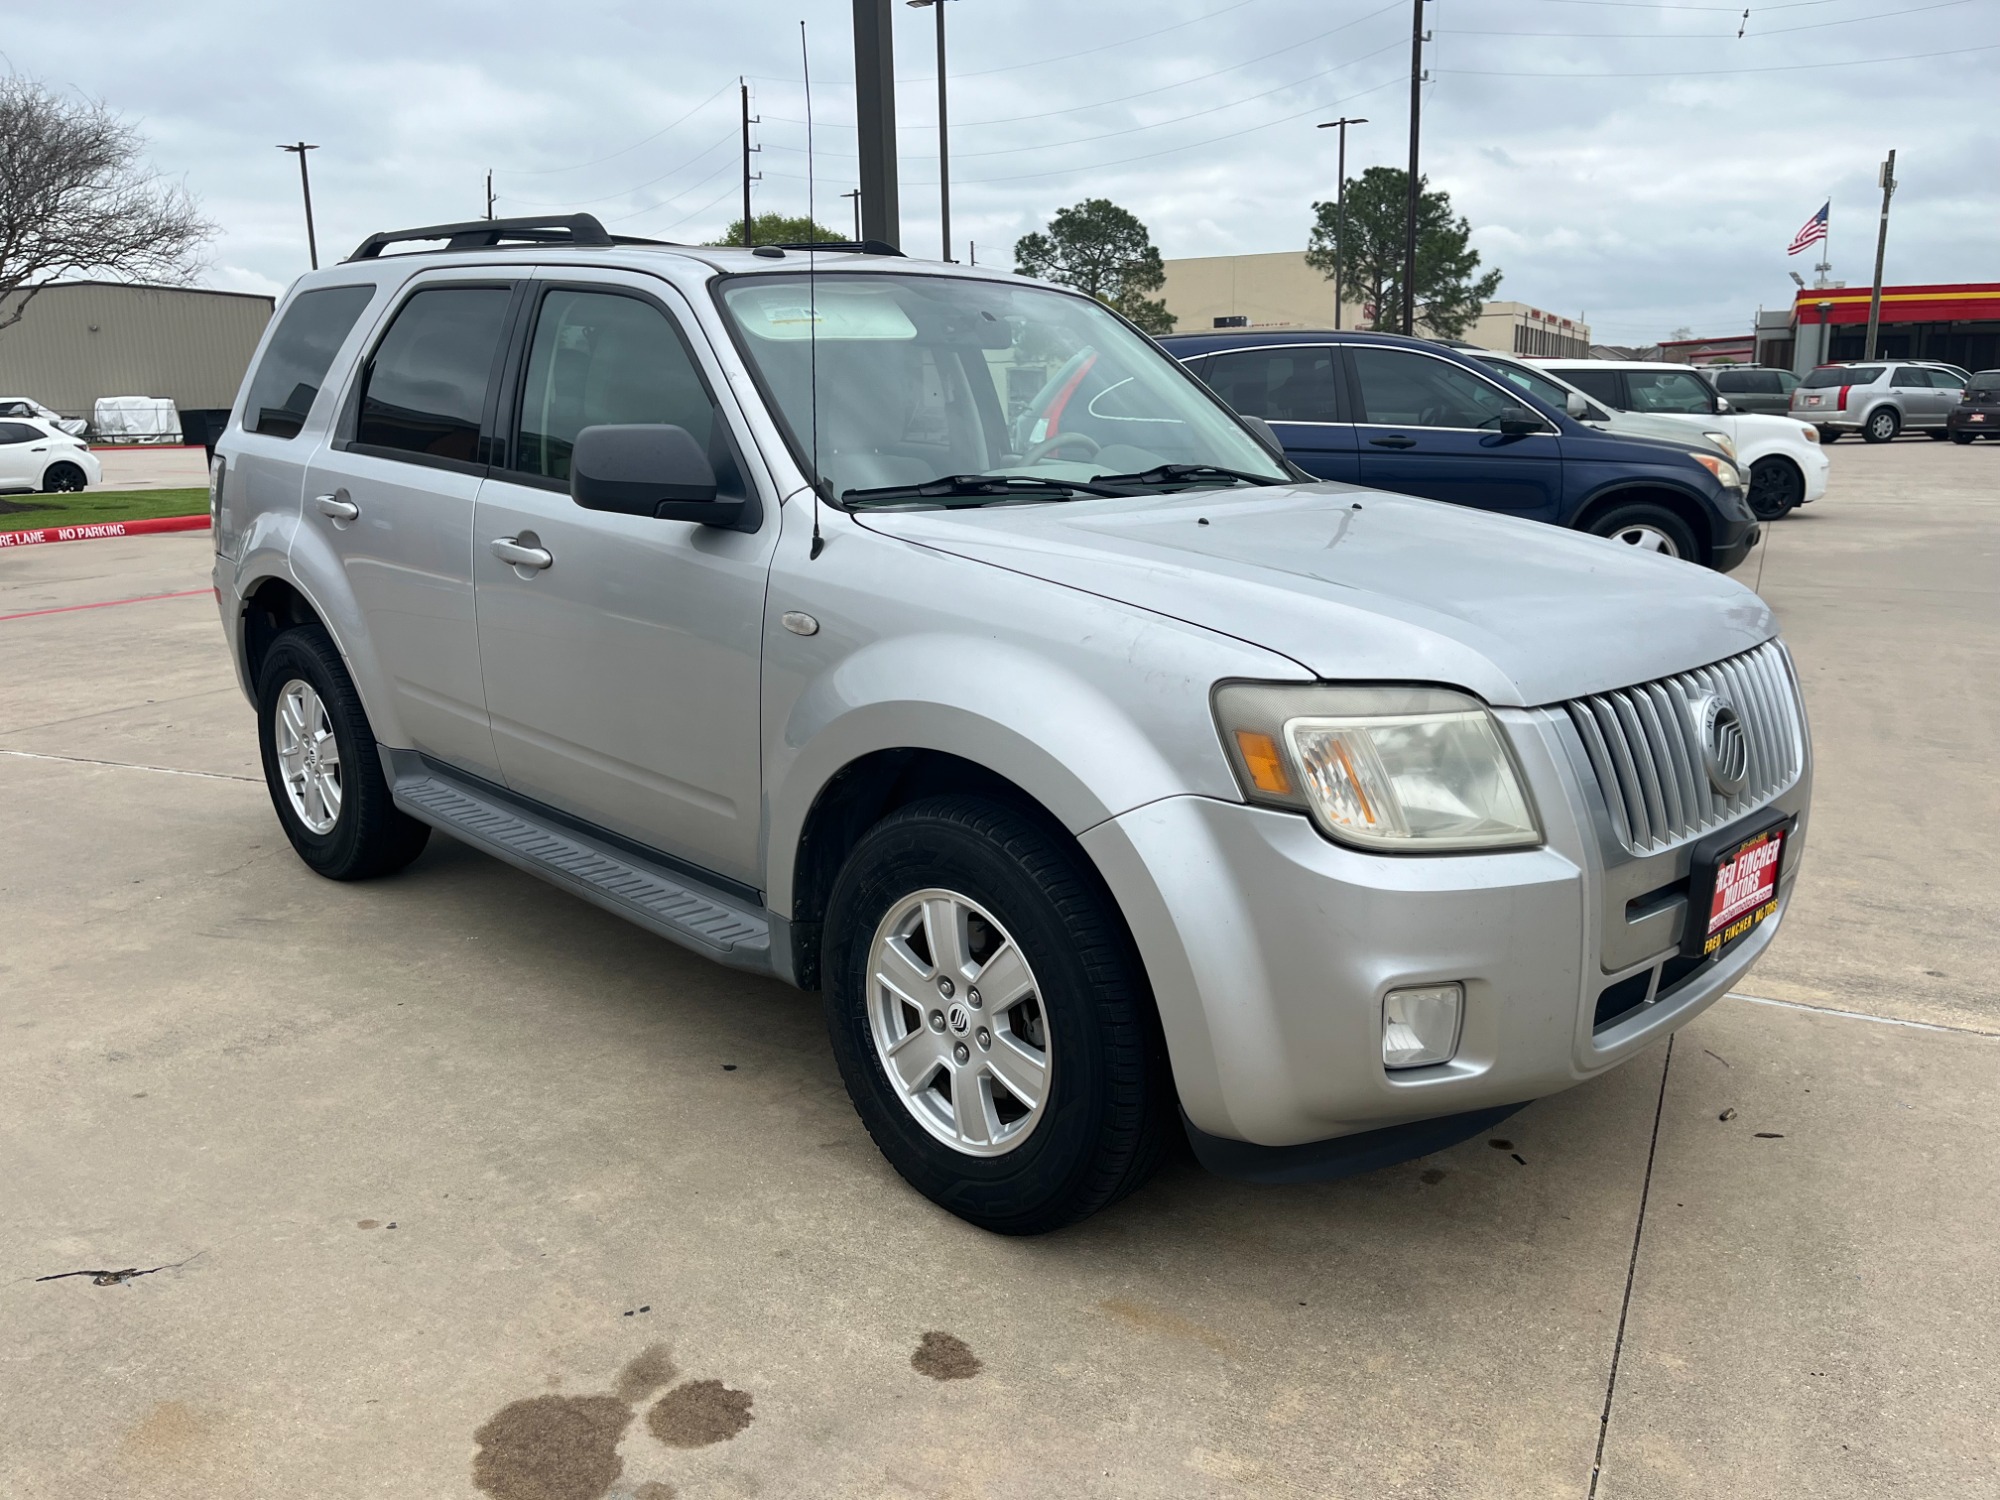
[[1418, 418]]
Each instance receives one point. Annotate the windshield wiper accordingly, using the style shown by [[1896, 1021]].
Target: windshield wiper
[[975, 487], [1181, 473]]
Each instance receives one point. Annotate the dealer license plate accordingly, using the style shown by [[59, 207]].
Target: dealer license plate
[[1744, 888]]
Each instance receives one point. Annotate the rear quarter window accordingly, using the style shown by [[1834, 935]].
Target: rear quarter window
[[296, 360], [1828, 376]]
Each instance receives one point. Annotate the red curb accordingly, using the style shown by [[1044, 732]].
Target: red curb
[[90, 531]]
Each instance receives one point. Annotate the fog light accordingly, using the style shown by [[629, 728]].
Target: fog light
[[1420, 1025]]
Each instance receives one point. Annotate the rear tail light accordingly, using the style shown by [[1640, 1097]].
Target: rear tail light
[[1843, 396]]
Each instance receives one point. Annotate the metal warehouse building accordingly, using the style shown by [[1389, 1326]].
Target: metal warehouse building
[[80, 340]]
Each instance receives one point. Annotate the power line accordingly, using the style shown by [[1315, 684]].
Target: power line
[[1852, 62], [545, 171], [726, 137], [1705, 36]]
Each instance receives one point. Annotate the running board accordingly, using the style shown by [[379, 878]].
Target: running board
[[670, 903]]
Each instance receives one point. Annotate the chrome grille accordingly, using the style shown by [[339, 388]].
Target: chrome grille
[[1643, 743]]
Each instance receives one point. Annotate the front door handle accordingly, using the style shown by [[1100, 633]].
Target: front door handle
[[510, 551], [337, 506], [1393, 440]]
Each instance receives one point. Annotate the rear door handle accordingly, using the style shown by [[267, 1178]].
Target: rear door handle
[[337, 506], [1393, 440], [510, 551]]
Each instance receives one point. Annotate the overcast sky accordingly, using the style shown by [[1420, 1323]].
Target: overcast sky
[[1636, 162]]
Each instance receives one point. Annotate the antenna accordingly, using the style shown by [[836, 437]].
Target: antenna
[[812, 293]]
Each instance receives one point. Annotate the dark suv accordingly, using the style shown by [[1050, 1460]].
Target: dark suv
[[1413, 416], [1978, 411]]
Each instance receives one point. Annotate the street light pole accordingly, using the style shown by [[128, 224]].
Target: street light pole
[[1340, 200], [944, 141], [875, 120], [305, 182], [856, 196], [1416, 117]]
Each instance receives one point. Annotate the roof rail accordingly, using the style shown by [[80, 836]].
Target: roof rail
[[852, 247], [491, 234]]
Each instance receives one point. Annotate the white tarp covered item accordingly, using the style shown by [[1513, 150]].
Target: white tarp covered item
[[21, 406], [136, 419]]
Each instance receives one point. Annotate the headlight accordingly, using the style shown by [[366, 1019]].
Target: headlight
[[1722, 469], [1391, 769], [1811, 433], [1723, 441]]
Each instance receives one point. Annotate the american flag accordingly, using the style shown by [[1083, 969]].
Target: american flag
[[1814, 230]]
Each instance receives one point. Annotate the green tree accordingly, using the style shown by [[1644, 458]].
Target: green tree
[[1449, 288], [1099, 248], [779, 229]]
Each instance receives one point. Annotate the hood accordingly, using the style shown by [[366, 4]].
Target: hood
[[1359, 585], [1684, 432]]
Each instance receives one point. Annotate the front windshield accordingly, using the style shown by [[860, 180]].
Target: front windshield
[[927, 377]]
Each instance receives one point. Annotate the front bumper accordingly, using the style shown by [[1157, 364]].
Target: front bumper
[[1815, 464], [1733, 544], [1270, 949]]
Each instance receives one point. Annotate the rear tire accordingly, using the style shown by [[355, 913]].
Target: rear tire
[[1650, 528], [1776, 488], [1829, 434], [62, 479], [1881, 426], [336, 808], [1961, 437], [993, 880], [1937, 434]]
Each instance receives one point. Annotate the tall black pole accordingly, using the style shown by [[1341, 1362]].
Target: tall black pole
[[489, 192], [1881, 247], [749, 238], [305, 183], [875, 121], [1416, 119], [944, 143]]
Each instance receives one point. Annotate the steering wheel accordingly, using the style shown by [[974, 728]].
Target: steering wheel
[[1055, 444]]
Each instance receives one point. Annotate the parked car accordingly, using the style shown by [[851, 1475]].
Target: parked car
[[35, 455], [1751, 388], [1978, 411], [1411, 416], [1878, 399], [21, 406], [1783, 457], [923, 635], [1788, 471]]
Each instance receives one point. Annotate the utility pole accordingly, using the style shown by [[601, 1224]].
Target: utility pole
[[749, 238], [875, 121], [489, 192], [305, 182], [856, 196], [944, 141], [1881, 247], [1417, 40], [1340, 199]]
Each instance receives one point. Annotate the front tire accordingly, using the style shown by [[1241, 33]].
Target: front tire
[[1937, 434], [991, 1017], [1961, 437], [1881, 426], [1649, 528], [1776, 488], [321, 764], [1829, 434]]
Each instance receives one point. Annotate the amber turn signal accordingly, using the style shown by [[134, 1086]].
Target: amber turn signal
[[1262, 760]]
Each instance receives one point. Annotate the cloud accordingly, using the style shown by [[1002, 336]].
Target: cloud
[[1635, 161]]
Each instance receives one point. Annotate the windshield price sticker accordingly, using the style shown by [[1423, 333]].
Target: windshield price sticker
[[1746, 889]]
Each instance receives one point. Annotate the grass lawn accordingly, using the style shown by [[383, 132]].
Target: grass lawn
[[33, 512]]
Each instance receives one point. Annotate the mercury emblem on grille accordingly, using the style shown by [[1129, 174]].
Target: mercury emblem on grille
[[1725, 753]]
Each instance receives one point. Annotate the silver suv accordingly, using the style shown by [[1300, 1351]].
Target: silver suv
[[926, 637], [1879, 399]]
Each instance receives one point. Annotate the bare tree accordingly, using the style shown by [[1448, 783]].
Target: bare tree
[[75, 197]]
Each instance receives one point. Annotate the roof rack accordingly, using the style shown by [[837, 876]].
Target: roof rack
[[491, 234], [852, 247]]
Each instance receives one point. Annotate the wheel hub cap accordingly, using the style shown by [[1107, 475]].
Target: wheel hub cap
[[974, 1073], [308, 756]]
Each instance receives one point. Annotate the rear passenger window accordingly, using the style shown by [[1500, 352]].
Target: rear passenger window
[[1279, 385], [18, 432], [597, 358], [425, 388], [1602, 384], [296, 360]]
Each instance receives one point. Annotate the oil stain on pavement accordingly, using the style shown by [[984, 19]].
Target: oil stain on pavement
[[945, 1356], [566, 1447]]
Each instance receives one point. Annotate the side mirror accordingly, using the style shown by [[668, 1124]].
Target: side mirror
[[648, 469], [1518, 421], [1265, 435], [1722, 406], [1577, 405]]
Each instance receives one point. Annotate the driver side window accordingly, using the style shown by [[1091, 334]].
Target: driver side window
[[1668, 390], [1400, 388]]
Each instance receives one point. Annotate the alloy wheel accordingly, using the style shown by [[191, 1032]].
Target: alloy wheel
[[1646, 539], [956, 1016], [308, 756]]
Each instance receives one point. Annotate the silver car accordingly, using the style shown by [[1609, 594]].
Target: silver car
[[926, 637], [1879, 398]]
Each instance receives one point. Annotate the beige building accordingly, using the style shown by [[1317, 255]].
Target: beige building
[[83, 339], [1279, 290]]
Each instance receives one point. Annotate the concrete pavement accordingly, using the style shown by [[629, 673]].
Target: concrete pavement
[[430, 1165]]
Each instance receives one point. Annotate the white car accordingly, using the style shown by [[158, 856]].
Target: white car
[[36, 455], [1559, 393], [1787, 465], [22, 406]]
